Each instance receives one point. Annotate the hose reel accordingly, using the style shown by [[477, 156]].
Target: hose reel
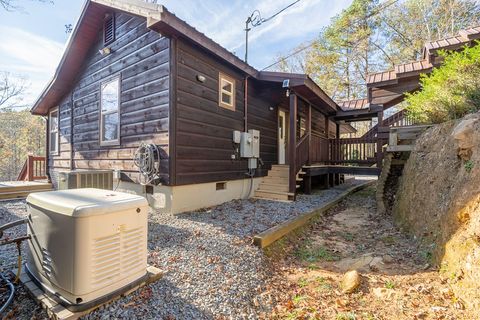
[[147, 159]]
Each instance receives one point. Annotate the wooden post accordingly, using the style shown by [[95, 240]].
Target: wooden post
[[330, 146], [292, 185], [337, 135], [30, 168], [379, 141], [309, 132], [307, 182]]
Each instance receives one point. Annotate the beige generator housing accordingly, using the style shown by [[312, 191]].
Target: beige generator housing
[[87, 245]]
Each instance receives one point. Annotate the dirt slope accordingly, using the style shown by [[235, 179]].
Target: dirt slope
[[438, 200]]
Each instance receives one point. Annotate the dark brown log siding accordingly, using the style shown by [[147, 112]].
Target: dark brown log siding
[[141, 58], [204, 129]]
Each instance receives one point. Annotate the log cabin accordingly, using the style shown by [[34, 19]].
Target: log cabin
[[134, 74]]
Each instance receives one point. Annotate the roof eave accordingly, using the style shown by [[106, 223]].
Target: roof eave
[[168, 24]]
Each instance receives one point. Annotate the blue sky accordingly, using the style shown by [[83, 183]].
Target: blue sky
[[32, 39]]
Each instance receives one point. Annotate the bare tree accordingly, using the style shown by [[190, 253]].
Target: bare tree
[[11, 90]]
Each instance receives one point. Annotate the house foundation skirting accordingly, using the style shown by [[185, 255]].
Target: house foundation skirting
[[178, 199]]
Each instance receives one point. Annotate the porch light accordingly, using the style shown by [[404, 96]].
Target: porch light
[[105, 51]]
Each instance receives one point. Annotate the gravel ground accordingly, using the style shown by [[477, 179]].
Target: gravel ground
[[211, 269], [22, 307]]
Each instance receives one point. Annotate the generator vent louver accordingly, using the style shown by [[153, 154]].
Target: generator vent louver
[[47, 263], [116, 255]]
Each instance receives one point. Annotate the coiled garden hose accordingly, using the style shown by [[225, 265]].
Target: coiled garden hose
[[10, 297]]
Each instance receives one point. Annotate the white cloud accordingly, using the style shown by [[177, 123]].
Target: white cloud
[[29, 56], [224, 22]]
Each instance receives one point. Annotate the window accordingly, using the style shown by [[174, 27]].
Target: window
[[226, 92], [53, 131], [109, 29], [109, 112]]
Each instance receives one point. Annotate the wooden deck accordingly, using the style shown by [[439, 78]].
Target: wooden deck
[[21, 189], [402, 139], [319, 169], [334, 174]]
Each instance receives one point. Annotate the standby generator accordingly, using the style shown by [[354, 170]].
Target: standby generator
[[87, 245]]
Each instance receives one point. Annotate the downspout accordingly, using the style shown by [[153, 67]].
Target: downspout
[[245, 102], [71, 133], [47, 149], [250, 173]]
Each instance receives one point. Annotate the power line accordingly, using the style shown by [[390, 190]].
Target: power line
[[258, 20], [312, 42], [255, 20]]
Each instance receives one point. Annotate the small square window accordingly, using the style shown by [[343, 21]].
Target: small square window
[[226, 91]]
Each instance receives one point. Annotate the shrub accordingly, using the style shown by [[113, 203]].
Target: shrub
[[450, 91]]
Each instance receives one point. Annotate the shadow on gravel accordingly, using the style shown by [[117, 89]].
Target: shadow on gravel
[[163, 236]]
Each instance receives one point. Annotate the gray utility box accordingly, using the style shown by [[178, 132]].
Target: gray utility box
[[100, 179], [250, 144]]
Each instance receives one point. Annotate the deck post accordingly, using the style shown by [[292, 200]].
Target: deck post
[[30, 168], [330, 147], [309, 132], [336, 176], [292, 181], [379, 141]]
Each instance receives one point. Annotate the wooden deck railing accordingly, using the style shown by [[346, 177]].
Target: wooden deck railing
[[362, 151], [319, 149], [33, 169], [302, 152], [398, 119]]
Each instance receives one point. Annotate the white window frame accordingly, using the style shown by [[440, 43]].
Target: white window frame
[[223, 77], [56, 131], [102, 113]]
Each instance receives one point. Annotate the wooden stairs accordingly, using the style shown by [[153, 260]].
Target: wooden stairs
[[21, 189], [274, 186]]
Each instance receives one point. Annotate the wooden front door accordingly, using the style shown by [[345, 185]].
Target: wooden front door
[[282, 137]]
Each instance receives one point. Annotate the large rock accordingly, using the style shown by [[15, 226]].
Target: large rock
[[438, 200], [351, 281], [463, 135]]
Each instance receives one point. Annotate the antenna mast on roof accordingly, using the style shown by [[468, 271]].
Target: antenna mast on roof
[[255, 19]]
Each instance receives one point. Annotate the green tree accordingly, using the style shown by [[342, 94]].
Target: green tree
[[370, 36], [407, 25], [450, 91], [343, 53]]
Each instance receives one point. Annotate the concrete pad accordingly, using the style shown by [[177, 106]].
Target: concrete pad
[[59, 312]]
